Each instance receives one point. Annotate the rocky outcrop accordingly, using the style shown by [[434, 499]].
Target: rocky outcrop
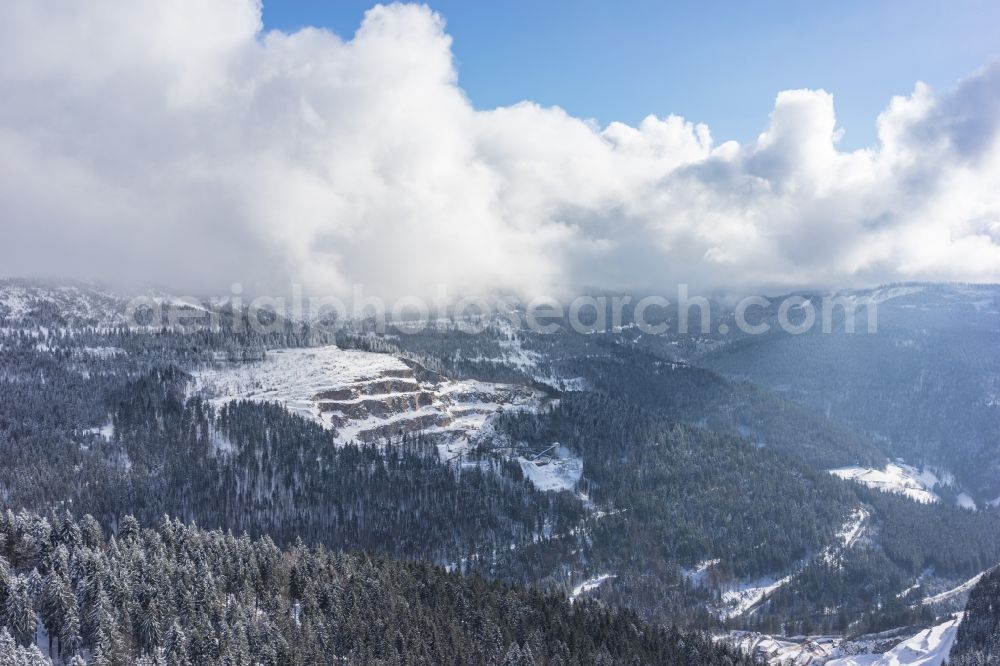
[[381, 407], [400, 427]]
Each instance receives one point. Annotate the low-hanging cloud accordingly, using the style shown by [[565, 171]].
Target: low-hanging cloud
[[177, 142]]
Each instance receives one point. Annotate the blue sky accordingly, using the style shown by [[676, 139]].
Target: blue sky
[[715, 62]]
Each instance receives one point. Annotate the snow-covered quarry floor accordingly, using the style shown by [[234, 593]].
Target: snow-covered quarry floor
[[293, 377]]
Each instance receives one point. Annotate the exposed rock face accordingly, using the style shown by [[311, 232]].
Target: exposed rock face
[[405, 374], [374, 387], [404, 401], [382, 406], [404, 426]]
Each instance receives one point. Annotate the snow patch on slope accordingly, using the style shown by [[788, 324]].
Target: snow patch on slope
[[588, 585], [965, 501], [742, 597], [560, 472], [962, 589], [107, 431], [698, 575], [930, 647], [851, 531], [896, 478]]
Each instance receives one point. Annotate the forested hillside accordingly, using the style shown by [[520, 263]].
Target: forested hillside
[[698, 502], [690, 494], [248, 467], [178, 595], [925, 386], [978, 640], [624, 363], [428, 332]]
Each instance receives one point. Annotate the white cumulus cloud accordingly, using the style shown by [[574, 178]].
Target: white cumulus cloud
[[177, 142]]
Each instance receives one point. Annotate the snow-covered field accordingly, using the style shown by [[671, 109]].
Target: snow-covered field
[[294, 377], [906, 480], [897, 478]]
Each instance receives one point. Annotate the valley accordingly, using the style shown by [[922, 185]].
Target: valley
[[591, 468]]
